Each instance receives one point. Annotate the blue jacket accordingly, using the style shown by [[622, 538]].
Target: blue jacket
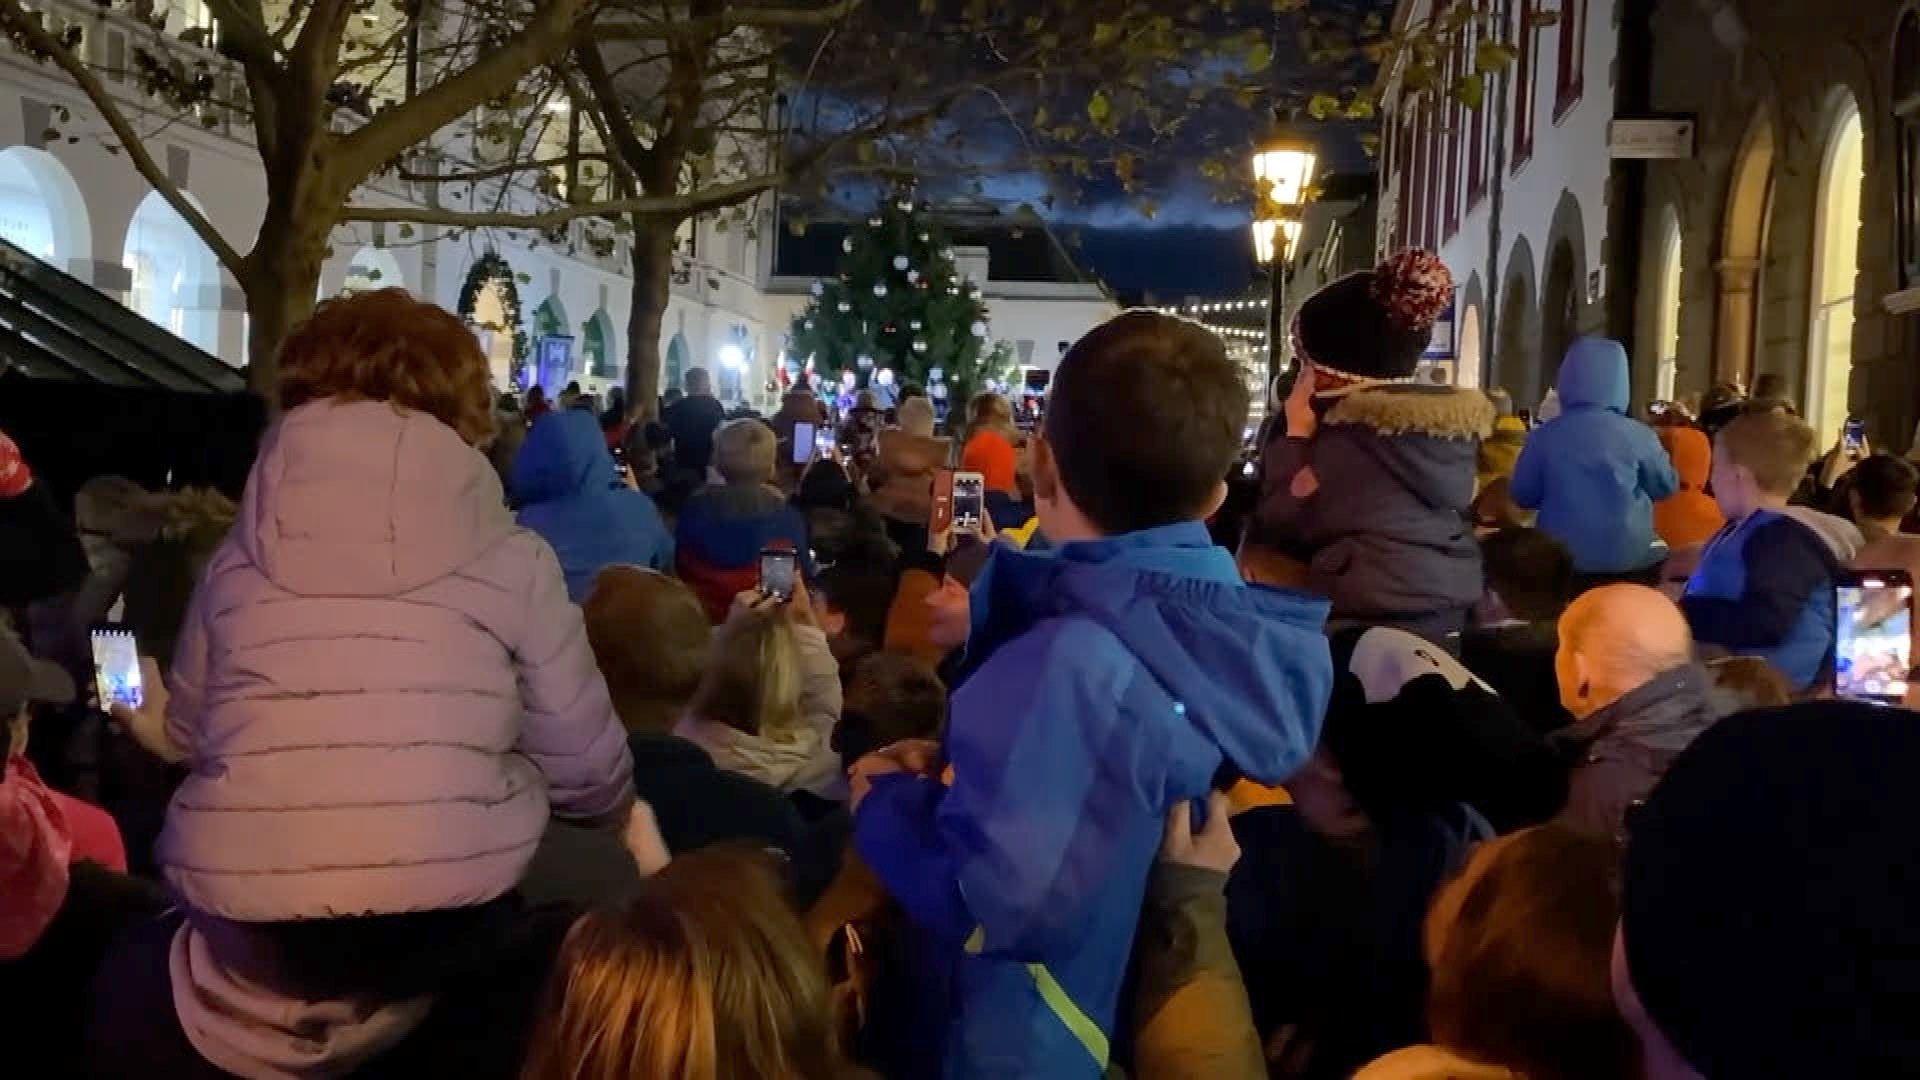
[[1593, 472], [1764, 587], [1108, 681], [569, 492]]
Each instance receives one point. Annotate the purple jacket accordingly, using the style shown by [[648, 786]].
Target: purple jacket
[[381, 684]]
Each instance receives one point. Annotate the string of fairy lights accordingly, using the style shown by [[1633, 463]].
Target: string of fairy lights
[[1222, 307]]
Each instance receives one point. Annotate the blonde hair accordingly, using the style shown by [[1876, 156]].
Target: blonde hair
[[744, 452], [916, 416], [752, 682], [707, 975], [1775, 447], [386, 346]]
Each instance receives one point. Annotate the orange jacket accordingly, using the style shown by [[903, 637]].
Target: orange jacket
[[1689, 516]]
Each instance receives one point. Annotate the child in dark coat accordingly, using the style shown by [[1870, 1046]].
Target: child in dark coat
[[1372, 481]]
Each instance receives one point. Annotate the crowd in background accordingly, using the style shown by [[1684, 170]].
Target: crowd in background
[[1414, 738]]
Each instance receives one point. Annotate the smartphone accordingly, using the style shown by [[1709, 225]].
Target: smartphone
[[116, 667], [969, 503], [1873, 636], [824, 444], [805, 446], [1658, 408], [779, 569], [1854, 437]]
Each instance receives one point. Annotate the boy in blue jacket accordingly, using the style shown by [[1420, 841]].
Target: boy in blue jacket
[[1764, 586], [1594, 473], [1127, 671]]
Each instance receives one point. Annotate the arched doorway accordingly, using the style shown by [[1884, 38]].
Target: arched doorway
[[1559, 311], [1517, 337], [41, 210], [679, 359], [373, 268], [1743, 252], [1836, 268], [1666, 312], [175, 277], [490, 302], [1468, 368], [596, 346]]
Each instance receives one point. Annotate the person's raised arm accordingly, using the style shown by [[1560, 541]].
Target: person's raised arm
[[570, 732]]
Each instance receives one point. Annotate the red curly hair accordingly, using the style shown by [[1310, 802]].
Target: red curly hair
[[387, 346]]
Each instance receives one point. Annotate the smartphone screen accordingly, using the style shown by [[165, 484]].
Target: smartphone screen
[[1856, 437], [824, 444], [116, 668], [777, 572], [1873, 643], [805, 445], [969, 502]]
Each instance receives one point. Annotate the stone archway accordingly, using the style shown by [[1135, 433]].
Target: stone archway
[[1516, 353], [1469, 346], [1563, 292], [175, 278], [1743, 251], [42, 211]]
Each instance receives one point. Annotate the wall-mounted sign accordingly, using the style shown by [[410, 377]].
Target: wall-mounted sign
[[1441, 345], [1652, 138]]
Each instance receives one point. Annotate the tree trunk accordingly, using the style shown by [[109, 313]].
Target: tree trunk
[[652, 287], [283, 276]]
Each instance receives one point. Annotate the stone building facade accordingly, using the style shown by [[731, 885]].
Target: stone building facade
[[1787, 246]]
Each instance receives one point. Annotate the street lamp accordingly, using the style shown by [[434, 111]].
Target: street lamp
[[1282, 169]]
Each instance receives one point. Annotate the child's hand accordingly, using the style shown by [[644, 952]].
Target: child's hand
[[644, 842], [860, 777], [1301, 421], [1212, 848], [800, 608], [148, 723]]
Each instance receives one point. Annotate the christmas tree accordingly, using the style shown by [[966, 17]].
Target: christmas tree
[[899, 303]]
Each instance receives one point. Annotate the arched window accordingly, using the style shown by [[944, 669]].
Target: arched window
[[41, 209], [1906, 110], [1836, 268], [175, 278], [373, 268], [1666, 327], [596, 346], [1470, 348]]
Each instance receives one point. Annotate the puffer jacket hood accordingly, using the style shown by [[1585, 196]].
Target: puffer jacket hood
[[1692, 455], [366, 499], [1236, 657], [1594, 375], [565, 454]]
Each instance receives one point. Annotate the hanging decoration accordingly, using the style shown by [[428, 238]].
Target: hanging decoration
[[492, 269]]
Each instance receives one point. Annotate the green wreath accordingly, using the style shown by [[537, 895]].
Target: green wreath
[[493, 269]]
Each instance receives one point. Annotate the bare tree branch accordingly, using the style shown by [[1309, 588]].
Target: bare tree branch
[[665, 207]]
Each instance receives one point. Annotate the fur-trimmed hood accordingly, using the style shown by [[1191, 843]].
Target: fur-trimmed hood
[[1442, 412]]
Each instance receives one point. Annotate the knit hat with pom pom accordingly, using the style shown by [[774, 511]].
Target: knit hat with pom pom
[[1375, 324]]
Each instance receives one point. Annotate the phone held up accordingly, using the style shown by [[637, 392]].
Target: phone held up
[[1854, 438], [969, 503], [805, 445], [116, 667], [1873, 638], [779, 570]]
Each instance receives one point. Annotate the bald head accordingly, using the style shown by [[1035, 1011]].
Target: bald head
[[1614, 640]]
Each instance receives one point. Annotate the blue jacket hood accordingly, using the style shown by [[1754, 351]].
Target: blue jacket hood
[[1595, 375], [565, 454], [1245, 661]]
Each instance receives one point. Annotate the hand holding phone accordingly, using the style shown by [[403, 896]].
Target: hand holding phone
[[1873, 639], [1853, 438], [969, 503], [779, 570], [805, 443], [116, 668]]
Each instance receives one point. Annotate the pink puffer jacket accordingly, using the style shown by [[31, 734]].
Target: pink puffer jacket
[[381, 684]]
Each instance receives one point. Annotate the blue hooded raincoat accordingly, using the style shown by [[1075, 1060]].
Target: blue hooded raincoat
[[1104, 683], [570, 493], [1593, 472]]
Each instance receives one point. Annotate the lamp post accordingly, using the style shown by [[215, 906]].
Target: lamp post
[[1281, 171]]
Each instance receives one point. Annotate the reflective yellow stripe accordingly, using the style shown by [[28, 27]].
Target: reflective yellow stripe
[[976, 941], [1079, 1023]]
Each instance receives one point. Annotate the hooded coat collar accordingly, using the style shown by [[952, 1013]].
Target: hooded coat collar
[[1665, 714], [1231, 653]]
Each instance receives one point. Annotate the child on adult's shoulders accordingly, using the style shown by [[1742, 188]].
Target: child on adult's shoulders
[[1373, 482], [1128, 670]]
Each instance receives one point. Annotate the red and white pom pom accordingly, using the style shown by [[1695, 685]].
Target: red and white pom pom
[[1414, 287]]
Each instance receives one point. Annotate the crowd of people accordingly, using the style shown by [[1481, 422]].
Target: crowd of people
[[1412, 741]]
